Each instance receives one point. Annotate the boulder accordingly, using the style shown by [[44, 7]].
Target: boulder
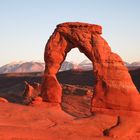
[[31, 92], [3, 100]]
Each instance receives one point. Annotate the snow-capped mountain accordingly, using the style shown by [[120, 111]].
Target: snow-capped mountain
[[132, 66], [85, 65], [22, 67], [135, 64], [32, 66], [66, 66]]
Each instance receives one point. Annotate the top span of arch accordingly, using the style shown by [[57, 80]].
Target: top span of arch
[[78, 25]]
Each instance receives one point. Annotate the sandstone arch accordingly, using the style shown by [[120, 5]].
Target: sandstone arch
[[114, 88]]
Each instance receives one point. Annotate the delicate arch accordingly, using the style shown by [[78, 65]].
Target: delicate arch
[[114, 88]]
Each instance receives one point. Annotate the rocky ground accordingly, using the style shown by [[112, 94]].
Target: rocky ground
[[48, 121], [71, 120]]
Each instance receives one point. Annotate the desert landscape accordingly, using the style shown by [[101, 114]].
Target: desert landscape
[[50, 121], [76, 104], [39, 121], [69, 70]]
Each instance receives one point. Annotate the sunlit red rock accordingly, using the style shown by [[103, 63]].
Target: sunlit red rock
[[51, 88], [31, 93], [36, 101], [3, 100], [114, 88]]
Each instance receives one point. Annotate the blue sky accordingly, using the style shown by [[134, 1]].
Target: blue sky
[[25, 26]]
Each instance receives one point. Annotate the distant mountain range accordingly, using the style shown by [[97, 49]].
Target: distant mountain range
[[133, 65], [87, 65], [23, 67]]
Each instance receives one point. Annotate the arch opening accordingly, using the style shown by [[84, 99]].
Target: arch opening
[[77, 84]]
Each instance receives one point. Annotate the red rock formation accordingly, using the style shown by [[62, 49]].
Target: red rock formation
[[3, 100], [31, 93], [114, 88]]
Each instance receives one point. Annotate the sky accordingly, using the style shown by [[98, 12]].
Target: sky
[[26, 25]]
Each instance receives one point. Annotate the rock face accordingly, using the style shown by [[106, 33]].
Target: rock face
[[114, 88], [31, 93]]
